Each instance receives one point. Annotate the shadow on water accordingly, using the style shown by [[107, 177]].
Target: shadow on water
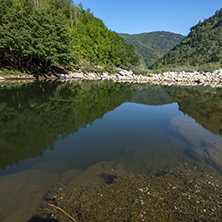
[[107, 178]]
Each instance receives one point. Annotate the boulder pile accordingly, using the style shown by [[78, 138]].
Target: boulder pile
[[168, 78]]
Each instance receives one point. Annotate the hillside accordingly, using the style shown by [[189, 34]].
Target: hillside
[[36, 36], [153, 45], [201, 48]]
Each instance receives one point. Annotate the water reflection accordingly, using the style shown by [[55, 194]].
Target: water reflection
[[151, 95], [33, 116], [204, 104], [74, 132], [203, 146], [36, 115]]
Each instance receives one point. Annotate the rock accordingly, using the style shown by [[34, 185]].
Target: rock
[[92, 75], [130, 72], [124, 72], [167, 78], [77, 75], [68, 76], [62, 76]]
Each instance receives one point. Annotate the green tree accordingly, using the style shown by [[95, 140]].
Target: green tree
[[37, 34], [32, 37], [202, 46]]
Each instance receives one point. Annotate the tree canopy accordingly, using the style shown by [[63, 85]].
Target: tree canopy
[[202, 46], [152, 46], [38, 34], [32, 37]]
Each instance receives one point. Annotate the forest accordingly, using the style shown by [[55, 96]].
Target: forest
[[43, 35], [54, 36], [201, 49], [153, 45]]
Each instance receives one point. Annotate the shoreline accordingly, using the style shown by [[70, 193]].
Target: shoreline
[[213, 79]]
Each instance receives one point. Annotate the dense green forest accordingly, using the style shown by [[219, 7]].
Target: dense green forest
[[45, 36], [153, 45], [201, 48], [37, 35]]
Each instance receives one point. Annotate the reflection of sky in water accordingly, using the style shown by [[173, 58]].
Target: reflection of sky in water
[[135, 133], [108, 138], [129, 126], [158, 136], [133, 137]]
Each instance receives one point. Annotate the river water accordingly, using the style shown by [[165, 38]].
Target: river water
[[72, 132]]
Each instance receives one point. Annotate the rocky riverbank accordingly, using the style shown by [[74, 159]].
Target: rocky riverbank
[[213, 79], [168, 78]]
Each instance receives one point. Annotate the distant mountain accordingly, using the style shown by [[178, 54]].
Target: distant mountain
[[153, 45], [202, 46]]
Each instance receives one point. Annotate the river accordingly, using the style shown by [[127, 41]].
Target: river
[[72, 132]]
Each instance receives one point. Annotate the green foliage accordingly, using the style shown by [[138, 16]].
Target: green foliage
[[201, 47], [96, 43], [6, 72], [37, 35], [35, 38], [153, 45], [208, 67]]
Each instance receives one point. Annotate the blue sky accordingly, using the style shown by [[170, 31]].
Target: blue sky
[[141, 16]]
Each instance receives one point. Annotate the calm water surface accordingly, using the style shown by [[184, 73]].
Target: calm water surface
[[71, 133]]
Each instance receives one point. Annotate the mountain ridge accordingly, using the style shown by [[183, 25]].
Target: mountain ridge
[[202, 46], [152, 45]]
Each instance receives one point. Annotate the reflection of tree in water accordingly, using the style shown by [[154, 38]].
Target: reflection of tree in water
[[204, 104], [35, 114], [203, 146]]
